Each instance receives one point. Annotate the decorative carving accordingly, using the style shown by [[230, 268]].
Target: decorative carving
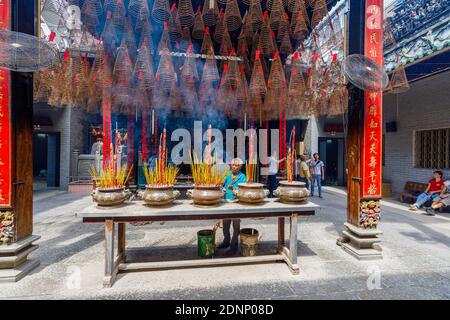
[[6, 227], [370, 213]]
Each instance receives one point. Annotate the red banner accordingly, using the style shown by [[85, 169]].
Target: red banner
[[372, 132], [145, 135], [6, 161], [106, 116]]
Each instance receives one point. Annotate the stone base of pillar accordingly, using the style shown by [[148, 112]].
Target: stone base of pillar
[[14, 262], [363, 244]]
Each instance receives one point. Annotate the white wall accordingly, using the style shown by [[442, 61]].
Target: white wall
[[425, 106]]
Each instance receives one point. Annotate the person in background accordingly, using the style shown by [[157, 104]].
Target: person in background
[[273, 171], [317, 168], [304, 173], [434, 188], [231, 183], [442, 201]]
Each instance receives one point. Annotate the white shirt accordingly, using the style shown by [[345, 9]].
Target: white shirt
[[316, 166], [273, 165]]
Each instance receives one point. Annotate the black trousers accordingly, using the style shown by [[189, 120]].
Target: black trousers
[[226, 231], [272, 183]]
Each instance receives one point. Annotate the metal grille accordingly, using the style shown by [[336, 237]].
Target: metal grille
[[432, 149]]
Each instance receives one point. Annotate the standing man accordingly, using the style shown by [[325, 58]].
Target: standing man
[[317, 172], [231, 183], [273, 171]]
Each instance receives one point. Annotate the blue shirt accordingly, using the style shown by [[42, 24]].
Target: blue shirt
[[240, 178]]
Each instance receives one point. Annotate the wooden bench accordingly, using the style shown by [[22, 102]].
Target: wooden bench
[[411, 188]]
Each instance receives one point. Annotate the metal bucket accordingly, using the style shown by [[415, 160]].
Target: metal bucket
[[206, 243], [249, 242]]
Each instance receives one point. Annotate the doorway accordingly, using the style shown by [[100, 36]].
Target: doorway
[[331, 152], [46, 156]]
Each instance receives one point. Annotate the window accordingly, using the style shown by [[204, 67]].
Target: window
[[432, 149]]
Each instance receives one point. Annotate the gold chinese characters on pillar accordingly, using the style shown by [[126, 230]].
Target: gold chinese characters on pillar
[[371, 183]]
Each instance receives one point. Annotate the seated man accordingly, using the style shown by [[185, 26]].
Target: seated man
[[434, 188], [231, 183], [442, 201]]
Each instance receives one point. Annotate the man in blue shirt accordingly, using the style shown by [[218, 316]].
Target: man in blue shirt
[[231, 183]]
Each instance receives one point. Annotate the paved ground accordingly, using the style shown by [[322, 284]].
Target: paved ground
[[416, 262]]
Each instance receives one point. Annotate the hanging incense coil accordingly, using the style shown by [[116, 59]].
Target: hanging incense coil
[[185, 40], [199, 26], [97, 68], [277, 14], [165, 74], [110, 5], [118, 15], [189, 73], [186, 13], [143, 69], [266, 38], [174, 24], [232, 16], [299, 27], [123, 74], [220, 28], [242, 90], [255, 14], [207, 44], [109, 34], [299, 7], [272, 5], [130, 38], [146, 36], [90, 13], [257, 81], [210, 12], [297, 85], [226, 45], [286, 46], [277, 77], [164, 42], [243, 53], [319, 13], [247, 28], [134, 7], [232, 76], [142, 15], [210, 72], [160, 11], [283, 28]]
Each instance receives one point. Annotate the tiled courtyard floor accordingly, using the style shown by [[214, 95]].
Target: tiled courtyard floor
[[416, 262]]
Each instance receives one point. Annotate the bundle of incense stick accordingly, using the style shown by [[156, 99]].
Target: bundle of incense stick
[[110, 176], [251, 166], [250, 171], [291, 156], [162, 174], [206, 173]]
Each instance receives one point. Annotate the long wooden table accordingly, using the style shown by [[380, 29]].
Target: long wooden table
[[184, 210]]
